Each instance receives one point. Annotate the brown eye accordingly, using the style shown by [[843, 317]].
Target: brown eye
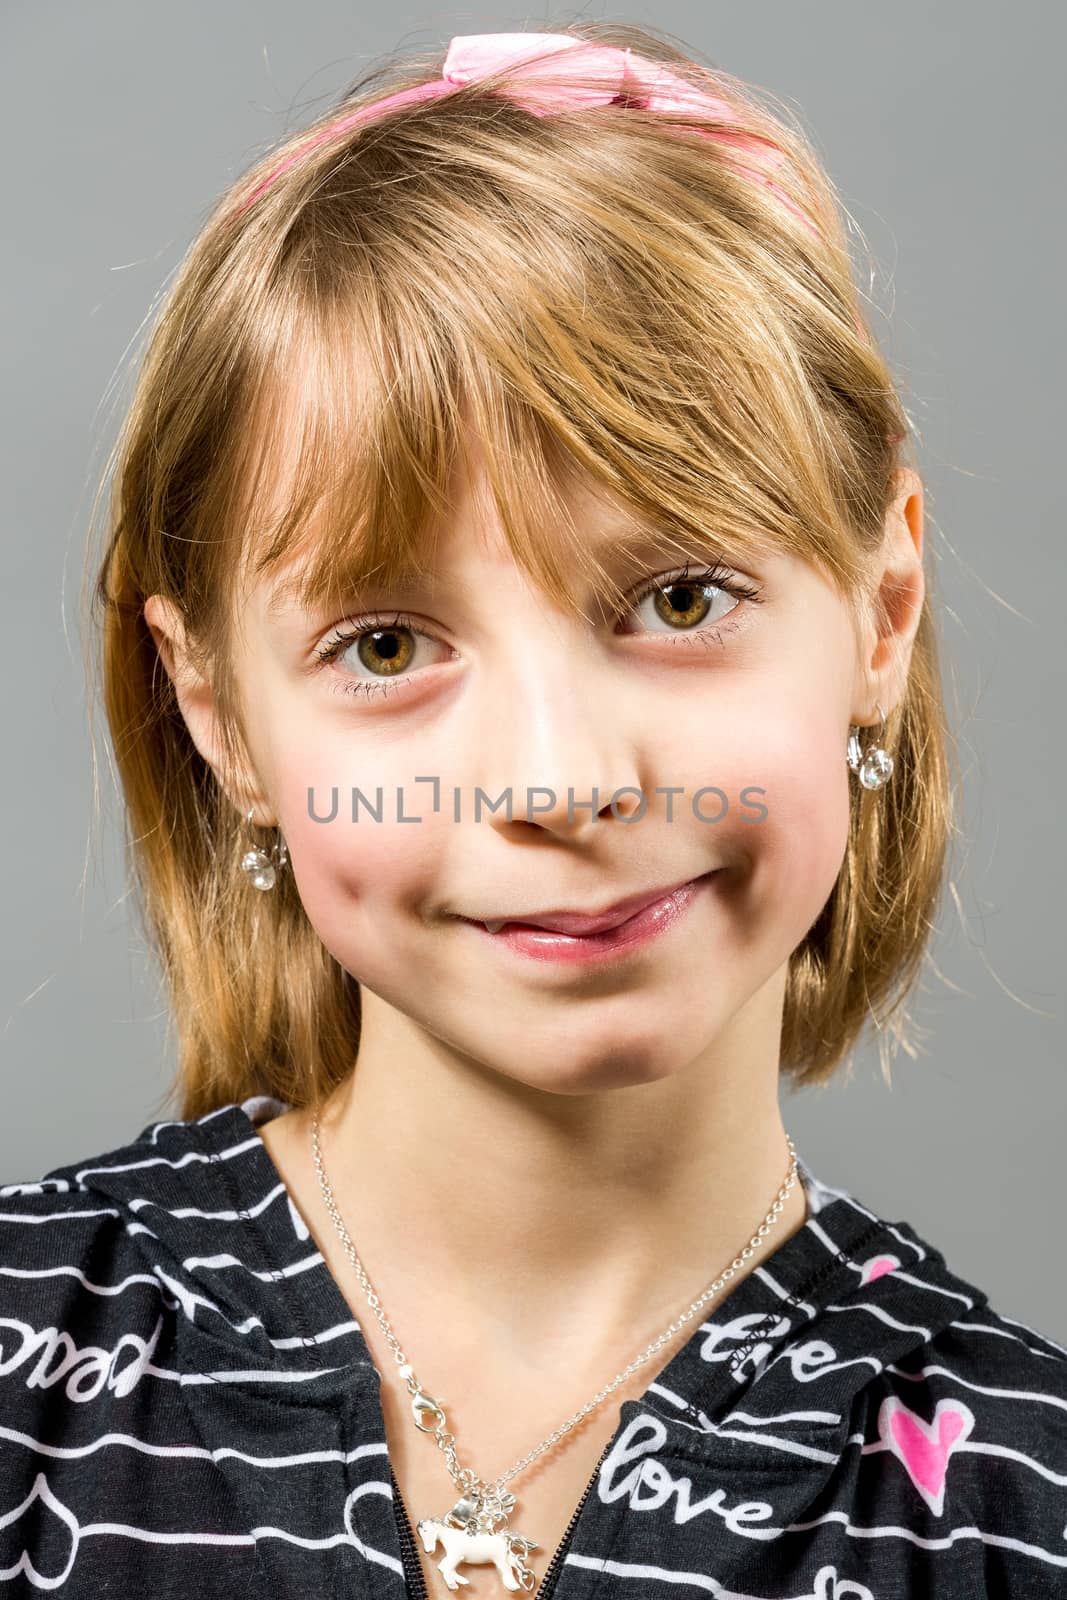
[[384, 654], [685, 606], [681, 604], [386, 651]]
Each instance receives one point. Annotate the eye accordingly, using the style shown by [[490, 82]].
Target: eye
[[684, 605], [388, 647]]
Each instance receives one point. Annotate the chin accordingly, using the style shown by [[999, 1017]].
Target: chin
[[621, 1069]]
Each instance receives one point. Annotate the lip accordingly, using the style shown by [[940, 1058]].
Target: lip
[[581, 922], [650, 921]]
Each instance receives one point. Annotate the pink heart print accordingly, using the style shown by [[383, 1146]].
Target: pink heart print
[[877, 1267], [924, 1448]]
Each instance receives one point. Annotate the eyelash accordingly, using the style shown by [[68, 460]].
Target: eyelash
[[716, 576]]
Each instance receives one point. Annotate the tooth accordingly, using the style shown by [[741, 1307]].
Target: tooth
[[494, 927]]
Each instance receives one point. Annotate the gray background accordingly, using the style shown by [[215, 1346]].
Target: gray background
[[942, 127]]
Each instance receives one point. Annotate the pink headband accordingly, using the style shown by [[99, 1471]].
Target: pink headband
[[473, 56]]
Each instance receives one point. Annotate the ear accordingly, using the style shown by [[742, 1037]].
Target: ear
[[196, 701], [896, 608]]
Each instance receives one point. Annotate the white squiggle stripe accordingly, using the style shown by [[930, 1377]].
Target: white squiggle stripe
[[225, 1259], [39, 1490], [901, 1275], [827, 1584], [189, 1452], [857, 1205], [190, 1302], [1037, 1335], [944, 1542], [190, 1158], [766, 1276], [33, 1221], [882, 1315], [178, 1296], [678, 1401], [835, 1249], [366, 1550], [773, 1441], [156, 1128], [378, 1448], [341, 1330], [979, 1388], [183, 1213], [36, 1186], [777, 1417], [65, 1271], [300, 1227], [176, 1540], [265, 1376], [820, 1233], [877, 1446], [127, 1530], [1002, 1333]]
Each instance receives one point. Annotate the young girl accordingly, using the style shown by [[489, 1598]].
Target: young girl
[[524, 690]]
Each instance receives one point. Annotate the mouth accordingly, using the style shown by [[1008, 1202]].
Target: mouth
[[584, 922], [611, 933]]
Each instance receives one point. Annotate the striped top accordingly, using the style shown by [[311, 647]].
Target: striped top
[[187, 1408]]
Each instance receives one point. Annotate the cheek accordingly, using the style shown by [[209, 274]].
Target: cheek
[[360, 881], [802, 841], [785, 757], [351, 874]]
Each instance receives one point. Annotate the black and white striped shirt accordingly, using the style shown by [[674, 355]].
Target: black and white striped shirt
[[188, 1409]]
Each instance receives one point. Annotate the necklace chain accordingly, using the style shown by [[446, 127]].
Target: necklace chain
[[426, 1409]]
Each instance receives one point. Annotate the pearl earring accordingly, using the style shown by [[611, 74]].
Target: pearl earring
[[260, 866], [873, 766]]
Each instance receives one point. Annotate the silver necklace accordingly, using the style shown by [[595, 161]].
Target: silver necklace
[[476, 1529]]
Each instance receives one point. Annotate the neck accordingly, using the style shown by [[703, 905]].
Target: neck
[[579, 1223]]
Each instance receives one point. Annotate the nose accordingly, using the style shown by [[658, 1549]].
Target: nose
[[566, 745]]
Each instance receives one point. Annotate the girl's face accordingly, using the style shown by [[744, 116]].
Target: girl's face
[[724, 717]]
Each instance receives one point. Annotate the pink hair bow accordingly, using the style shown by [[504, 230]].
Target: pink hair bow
[[560, 57], [553, 66]]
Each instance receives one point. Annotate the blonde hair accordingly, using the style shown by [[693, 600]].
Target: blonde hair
[[597, 293]]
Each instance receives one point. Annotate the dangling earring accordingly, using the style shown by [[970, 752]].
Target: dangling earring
[[258, 864], [873, 766]]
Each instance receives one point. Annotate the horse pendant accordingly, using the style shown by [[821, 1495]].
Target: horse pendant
[[469, 1534], [475, 1530]]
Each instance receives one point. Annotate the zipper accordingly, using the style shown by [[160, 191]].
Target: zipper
[[415, 1582], [547, 1587]]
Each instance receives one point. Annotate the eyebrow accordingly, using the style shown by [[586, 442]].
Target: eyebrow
[[359, 590], [636, 542]]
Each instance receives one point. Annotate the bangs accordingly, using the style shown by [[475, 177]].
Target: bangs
[[357, 478], [427, 317]]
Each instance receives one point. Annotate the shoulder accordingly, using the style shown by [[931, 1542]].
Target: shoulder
[[56, 1239], [90, 1276], [74, 1279], [971, 1424], [945, 1435], [130, 1316], [1008, 1387], [1015, 1375]]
